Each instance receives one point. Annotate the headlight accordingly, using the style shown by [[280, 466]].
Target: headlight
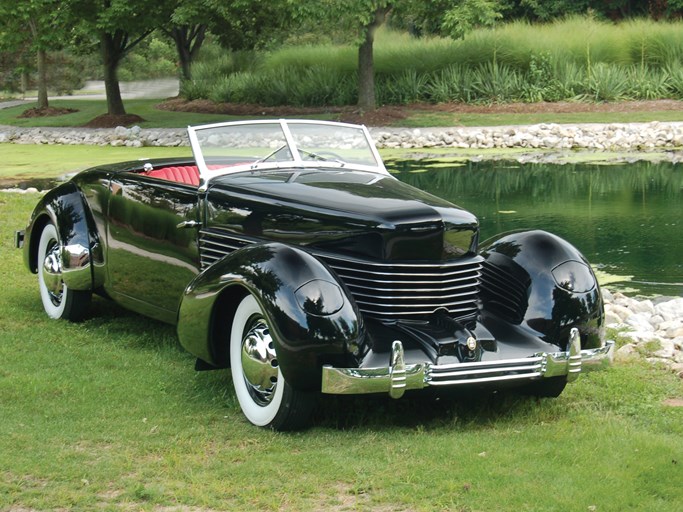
[[320, 298], [574, 276]]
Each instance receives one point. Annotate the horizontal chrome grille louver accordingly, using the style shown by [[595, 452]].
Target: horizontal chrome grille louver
[[216, 243], [483, 372], [504, 294], [383, 289], [408, 290]]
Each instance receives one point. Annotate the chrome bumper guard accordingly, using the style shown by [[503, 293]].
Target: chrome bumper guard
[[399, 377]]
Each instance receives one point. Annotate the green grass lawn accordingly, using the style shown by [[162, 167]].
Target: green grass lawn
[[27, 161], [109, 414], [155, 118], [90, 109]]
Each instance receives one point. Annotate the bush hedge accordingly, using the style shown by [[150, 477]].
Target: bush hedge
[[574, 59]]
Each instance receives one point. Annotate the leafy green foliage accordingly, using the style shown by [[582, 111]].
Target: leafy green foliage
[[578, 58], [248, 24], [470, 14], [152, 58]]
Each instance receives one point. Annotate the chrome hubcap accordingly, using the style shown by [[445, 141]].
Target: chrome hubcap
[[259, 362], [52, 274]]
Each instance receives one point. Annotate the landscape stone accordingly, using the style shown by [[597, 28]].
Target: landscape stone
[[623, 137]]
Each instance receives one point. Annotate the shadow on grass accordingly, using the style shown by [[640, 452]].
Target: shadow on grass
[[416, 410], [423, 410], [132, 329]]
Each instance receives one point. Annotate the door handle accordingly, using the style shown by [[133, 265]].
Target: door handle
[[188, 224]]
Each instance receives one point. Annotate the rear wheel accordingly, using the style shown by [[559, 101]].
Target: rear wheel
[[59, 301], [265, 397]]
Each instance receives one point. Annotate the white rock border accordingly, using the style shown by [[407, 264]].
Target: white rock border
[[653, 326], [620, 137]]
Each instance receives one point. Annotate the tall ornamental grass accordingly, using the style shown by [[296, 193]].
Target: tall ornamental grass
[[578, 58]]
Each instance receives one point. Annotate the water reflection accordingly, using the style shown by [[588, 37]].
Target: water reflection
[[625, 218]]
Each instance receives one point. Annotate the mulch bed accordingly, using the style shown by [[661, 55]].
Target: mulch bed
[[111, 121], [393, 114], [350, 114], [46, 112]]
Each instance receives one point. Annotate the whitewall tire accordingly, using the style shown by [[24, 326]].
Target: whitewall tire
[[59, 301], [265, 397]]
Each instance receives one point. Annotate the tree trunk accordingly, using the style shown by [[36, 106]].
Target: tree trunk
[[366, 68], [111, 57], [366, 75], [179, 36], [41, 63], [42, 79], [188, 40]]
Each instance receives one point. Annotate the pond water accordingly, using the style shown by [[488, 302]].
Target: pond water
[[627, 219]]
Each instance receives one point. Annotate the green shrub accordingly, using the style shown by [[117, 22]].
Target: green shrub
[[406, 87], [497, 82], [645, 83], [579, 57], [606, 83], [450, 84], [675, 82]]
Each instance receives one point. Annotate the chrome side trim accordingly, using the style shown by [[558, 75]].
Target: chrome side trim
[[398, 377]]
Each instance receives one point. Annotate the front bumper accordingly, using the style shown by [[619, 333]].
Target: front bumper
[[398, 377]]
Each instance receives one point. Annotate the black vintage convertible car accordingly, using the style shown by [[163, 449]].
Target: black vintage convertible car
[[286, 251]]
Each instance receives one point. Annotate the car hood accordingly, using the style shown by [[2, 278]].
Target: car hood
[[357, 213]]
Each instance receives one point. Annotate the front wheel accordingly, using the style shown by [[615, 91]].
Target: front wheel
[[59, 301], [265, 397]]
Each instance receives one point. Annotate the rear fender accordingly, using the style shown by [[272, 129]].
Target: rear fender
[[65, 207], [311, 315], [539, 281]]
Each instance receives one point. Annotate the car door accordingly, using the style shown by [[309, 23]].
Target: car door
[[152, 251]]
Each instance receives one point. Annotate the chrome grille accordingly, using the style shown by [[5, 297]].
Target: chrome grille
[[408, 290], [215, 243], [382, 289], [504, 294]]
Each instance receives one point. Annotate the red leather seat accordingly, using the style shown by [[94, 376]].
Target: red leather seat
[[188, 174]]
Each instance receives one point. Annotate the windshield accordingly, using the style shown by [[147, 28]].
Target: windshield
[[235, 147]]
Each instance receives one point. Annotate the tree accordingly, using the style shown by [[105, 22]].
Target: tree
[[467, 15], [188, 39], [249, 24], [117, 26], [187, 29], [366, 65], [361, 19], [236, 24], [35, 23], [452, 18]]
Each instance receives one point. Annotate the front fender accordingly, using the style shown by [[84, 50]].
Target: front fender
[[65, 207], [540, 281], [311, 315]]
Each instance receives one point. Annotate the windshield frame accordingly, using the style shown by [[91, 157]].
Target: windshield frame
[[206, 174]]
